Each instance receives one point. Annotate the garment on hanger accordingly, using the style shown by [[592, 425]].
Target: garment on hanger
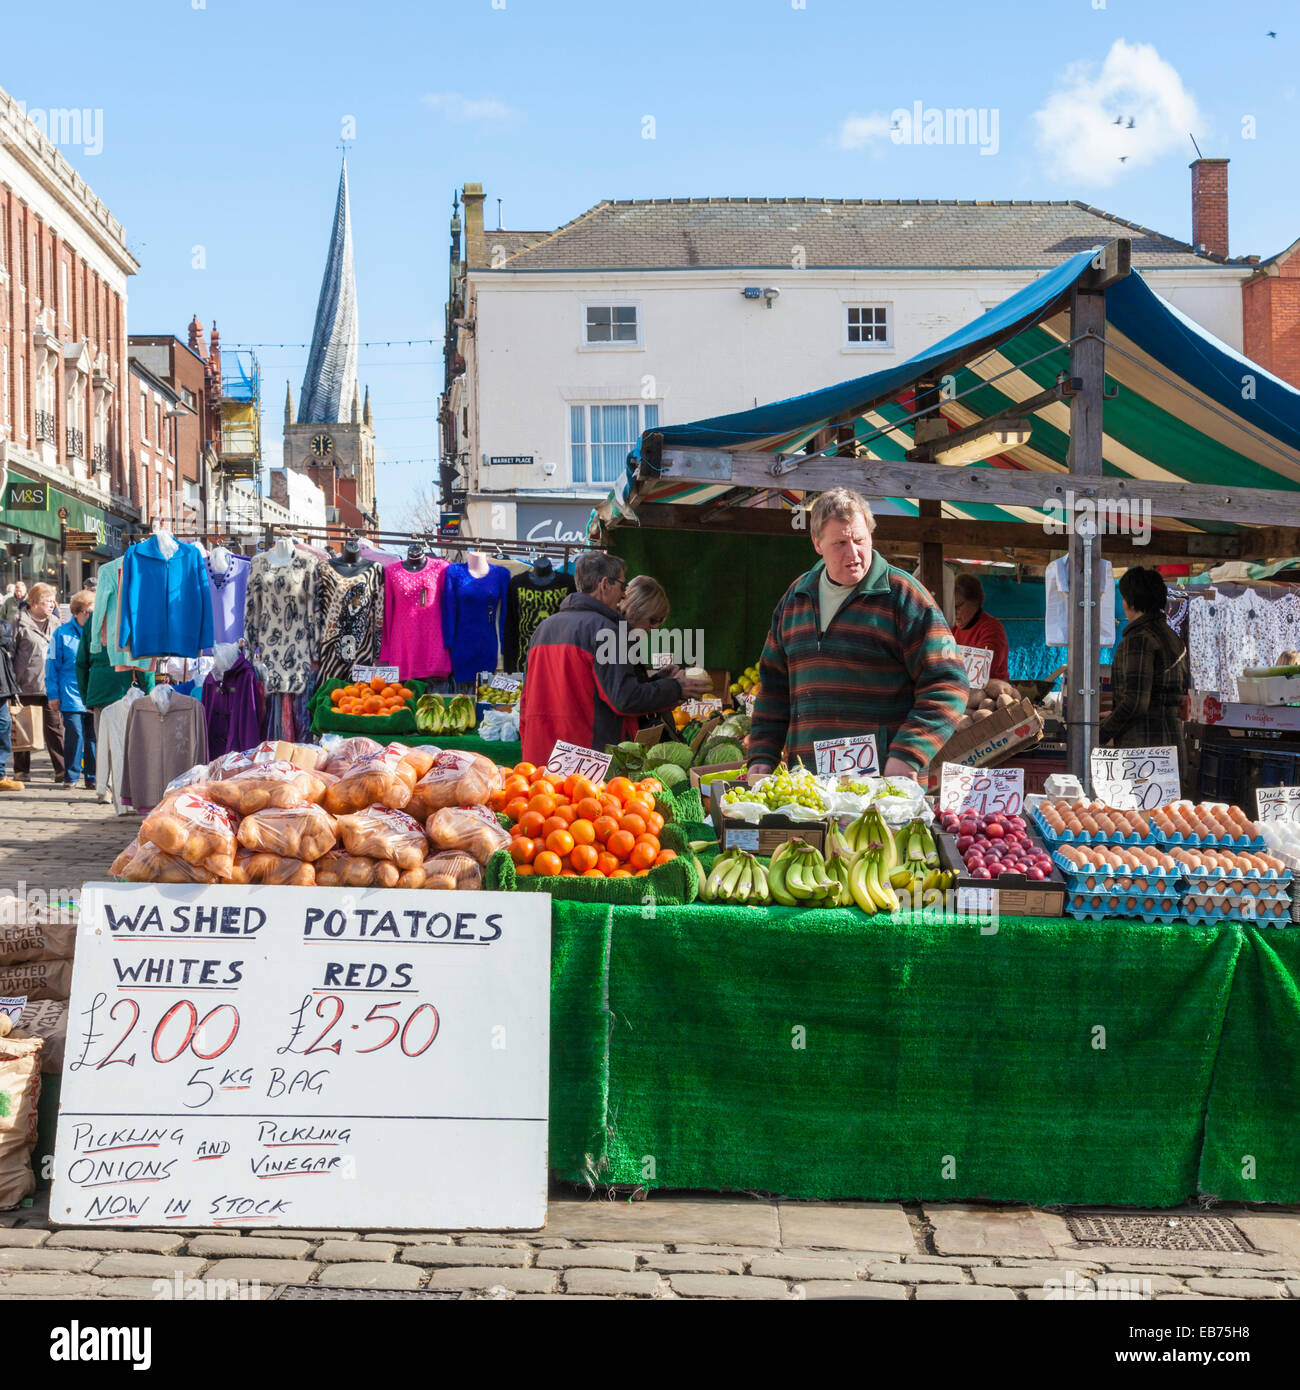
[[166, 599], [106, 617], [1056, 582], [229, 597], [528, 604], [474, 618], [412, 637], [352, 608], [233, 708], [1235, 629], [165, 736], [281, 621], [110, 761]]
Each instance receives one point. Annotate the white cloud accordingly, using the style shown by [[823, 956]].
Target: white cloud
[[857, 132], [461, 109], [1077, 134]]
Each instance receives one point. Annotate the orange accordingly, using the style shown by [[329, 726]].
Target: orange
[[542, 803], [530, 822], [640, 873], [583, 857], [593, 873], [523, 850], [634, 824], [547, 864], [588, 807], [568, 814], [638, 806], [559, 842], [642, 857], [517, 809], [582, 788], [651, 840], [515, 785], [583, 832], [611, 806], [604, 826], [606, 862], [373, 705], [336, 695], [621, 873], [665, 856], [567, 873], [377, 683], [650, 784], [552, 823], [621, 788], [524, 769], [621, 843], [654, 822], [524, 870], [516, 831]]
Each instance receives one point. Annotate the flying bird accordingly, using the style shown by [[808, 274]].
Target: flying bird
[[1123, 159], [1119, 120], [1131, 123], [1272, 34]]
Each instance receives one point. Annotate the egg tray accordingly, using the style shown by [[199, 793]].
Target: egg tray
[[1156, 888], [1068, 837], [1238, 875], [1074, 871], [1168, 909], [1259, 919], [1252, 844], [1272, 901]]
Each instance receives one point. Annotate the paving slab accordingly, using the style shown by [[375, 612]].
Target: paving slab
[[1280, 1234], [145, 1242], [967, 1293], [672, 1220], [18, 1237], [688, 1263], [848, 1225], [476, 1257], [129, 1264], [1028, 1276], [371, 1274], [851, 1288], [410, 1237], [367, 1251], [199, 1291], [1239, 1288], [249, 1247], [590, 1259], [918, 1274], [783, 1267], [514, 1280], [272, 1271], [974, 1230], [50, 1261], [646, 1284], [727, 1286], [1205, 1260], [49, 1285]]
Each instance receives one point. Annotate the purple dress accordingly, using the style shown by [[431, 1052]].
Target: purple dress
[[229, 598], [232, 709]]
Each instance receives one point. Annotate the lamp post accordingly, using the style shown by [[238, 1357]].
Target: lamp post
[[63, 547]]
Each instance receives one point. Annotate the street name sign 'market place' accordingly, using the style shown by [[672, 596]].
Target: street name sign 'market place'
[[267, 1056]]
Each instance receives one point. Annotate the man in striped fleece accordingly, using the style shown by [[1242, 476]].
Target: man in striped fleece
[[856, 647]]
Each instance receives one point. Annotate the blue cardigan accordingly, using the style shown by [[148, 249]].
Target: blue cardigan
[[61, 668], [166, 604]]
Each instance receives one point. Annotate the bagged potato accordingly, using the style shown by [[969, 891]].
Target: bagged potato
[[264, 867], [451, 871], [382, 777], [412, 878], [473, 829], [293, 832], [28, 932], [37, 979], [349, 751], [46, 1019], [378, 832], [117, 869], [453, 779], [193, 778], [337, 869], [20, 1087], [268, 784], [194, 829], [420, 758], [149, 864]]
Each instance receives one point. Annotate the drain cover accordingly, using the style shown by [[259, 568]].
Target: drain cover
[[1160, 1232], [296, 1292]]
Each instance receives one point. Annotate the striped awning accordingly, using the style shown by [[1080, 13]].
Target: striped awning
[[1182, 407]]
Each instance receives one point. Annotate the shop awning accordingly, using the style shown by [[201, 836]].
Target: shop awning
[[1185, 408]]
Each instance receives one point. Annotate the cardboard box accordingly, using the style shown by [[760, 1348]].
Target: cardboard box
[[1016, 896], [697, 773], [721, 686], [990, 742], [768, 835], [1268, 690]]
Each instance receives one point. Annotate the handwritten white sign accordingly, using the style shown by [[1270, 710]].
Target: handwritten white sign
[[570, 759], [982, 789], [855, 755], [1135, 779], [507, 683], [1278, 803], [701, 709], [979, 665], [368, 673], [227, 1043]]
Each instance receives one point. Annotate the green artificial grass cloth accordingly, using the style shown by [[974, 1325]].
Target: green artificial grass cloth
[[821, 1053], [671, 884], [503, 754]]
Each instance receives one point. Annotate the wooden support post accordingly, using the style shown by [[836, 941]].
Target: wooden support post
[[927, 429], [1083, 681]]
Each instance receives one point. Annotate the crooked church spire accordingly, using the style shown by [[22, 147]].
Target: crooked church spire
[[330, 387]]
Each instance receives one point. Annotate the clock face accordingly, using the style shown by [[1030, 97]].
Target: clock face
[[322, 445]]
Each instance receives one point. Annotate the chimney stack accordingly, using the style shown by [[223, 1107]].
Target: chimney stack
[[475, 241], [1210, 205]]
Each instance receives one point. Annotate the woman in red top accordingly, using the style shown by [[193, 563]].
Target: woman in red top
[[972, 626]]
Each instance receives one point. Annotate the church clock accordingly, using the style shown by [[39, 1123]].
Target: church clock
[[322, 446]]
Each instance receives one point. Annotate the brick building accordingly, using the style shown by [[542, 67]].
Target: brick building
[[183, 372], [63, 363]]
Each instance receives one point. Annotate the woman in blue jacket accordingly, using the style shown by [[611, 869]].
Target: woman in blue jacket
[[64, 694]]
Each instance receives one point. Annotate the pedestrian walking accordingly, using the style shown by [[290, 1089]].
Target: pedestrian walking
[[8, 692], [35, 626], [63, 694]]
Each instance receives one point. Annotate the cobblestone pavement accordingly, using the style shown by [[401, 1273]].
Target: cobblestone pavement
[[669, 1246]]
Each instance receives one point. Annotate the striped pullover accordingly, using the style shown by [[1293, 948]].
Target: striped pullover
[[887, 665]]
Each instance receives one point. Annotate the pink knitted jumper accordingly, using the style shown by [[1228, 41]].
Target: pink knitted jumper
[[413, 621]]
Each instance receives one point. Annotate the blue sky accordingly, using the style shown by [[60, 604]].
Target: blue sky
[[221, 126]]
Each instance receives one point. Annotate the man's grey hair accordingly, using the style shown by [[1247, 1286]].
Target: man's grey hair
[[840, 504], [593, 566]]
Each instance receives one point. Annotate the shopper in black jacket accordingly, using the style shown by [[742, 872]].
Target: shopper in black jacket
[[8, 691]]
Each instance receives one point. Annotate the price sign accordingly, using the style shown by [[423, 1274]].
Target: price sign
[[368, 673], [660, 660], [979, 665], [1136, 779], [975, 900], [748, 701], [225, 1043], [701, 709], [982, 789], [839, 756], [503, 682], [569, 759], [1278, 803]]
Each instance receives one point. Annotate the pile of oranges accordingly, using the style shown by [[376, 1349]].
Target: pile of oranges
[[574, 827], [375, 696]]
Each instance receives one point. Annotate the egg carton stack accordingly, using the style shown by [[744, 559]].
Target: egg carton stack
[[1282, 839], [1237, 886], [1205, 825], [1090, 823], [1120, 881]]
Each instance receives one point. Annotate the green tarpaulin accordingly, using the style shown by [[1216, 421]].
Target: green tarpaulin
[[822, 1054]]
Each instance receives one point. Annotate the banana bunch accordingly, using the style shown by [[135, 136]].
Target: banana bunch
[[918, 869], [736, 877], [798, 876]]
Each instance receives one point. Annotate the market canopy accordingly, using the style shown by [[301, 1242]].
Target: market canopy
[[1184, 413]]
